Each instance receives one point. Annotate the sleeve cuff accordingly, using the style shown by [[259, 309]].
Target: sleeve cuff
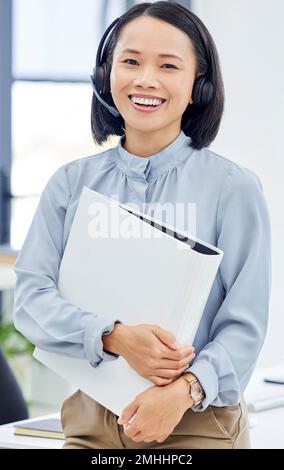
[[93, 345], [209, 382]]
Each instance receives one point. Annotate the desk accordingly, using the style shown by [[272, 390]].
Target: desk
[[266, 427], [267, 433], [8, 440]]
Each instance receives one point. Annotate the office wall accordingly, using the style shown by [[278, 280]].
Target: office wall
[[249, 36]]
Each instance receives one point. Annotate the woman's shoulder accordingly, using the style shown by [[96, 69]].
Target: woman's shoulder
[[91, 164], [94, 159], [229, 174]]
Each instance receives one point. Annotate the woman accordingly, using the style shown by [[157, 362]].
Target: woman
[[161, 157]]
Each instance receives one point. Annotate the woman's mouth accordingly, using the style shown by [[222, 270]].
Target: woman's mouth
[[145, 108]]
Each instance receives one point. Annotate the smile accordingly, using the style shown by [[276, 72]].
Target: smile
[[144, 108]]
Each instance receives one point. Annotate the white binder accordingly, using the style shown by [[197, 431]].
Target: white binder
[[121, 263]]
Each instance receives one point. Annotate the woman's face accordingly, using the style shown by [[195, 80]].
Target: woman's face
[[147, 73]]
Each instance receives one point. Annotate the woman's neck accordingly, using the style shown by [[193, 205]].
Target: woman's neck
[[146, 144]]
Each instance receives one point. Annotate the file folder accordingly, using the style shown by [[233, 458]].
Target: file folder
[[121, 263]]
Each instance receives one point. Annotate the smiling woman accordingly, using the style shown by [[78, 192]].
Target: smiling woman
[[179, 65], [157, 84], [148, 73]]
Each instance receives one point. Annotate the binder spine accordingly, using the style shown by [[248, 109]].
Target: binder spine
[[194, 312]]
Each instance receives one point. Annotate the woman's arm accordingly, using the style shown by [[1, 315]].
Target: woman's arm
[[40, 313], [225, 365]]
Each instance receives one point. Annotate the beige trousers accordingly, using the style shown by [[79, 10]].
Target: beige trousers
[[89, 425]]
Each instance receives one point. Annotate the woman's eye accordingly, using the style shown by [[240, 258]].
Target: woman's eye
[[171, 65], [133, 60]]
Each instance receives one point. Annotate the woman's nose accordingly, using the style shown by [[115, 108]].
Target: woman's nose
[[146, 77]]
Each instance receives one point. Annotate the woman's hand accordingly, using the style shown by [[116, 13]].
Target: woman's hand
[[155, 413], [153, 352]]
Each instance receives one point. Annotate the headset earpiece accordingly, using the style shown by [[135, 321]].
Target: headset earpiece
[[202, 91]]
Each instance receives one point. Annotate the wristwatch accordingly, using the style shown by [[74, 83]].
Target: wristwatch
[[196, 391]]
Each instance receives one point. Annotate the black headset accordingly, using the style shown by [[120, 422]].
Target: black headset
[[202, 90]]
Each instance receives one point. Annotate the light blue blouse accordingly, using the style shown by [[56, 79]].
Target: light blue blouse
[[231, 213]]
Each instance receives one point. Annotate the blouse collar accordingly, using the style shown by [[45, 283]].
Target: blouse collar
[[147, 168]]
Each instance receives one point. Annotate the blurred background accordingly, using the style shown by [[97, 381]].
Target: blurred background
[[47, 53]]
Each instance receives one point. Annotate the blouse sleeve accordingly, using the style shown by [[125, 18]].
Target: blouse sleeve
[[40, 313], [225, 365]]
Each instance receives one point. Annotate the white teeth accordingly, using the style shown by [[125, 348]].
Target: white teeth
[[153, 102]]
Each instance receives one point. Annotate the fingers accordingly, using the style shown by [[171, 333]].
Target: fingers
[[166, 337], [175, 365], [139, 437], [170, 373], [170, 370], [160, 380], [128, 413], [179, 354]]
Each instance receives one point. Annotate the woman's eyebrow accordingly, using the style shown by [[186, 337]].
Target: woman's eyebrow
[[133, 51]]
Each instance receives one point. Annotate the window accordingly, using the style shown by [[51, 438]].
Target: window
[[54, 51], [45, 68]]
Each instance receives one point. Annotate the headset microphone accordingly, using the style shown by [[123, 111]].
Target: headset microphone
[[101, 71], [111, 109]]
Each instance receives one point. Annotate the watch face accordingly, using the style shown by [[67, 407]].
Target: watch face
[[196, 392]]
